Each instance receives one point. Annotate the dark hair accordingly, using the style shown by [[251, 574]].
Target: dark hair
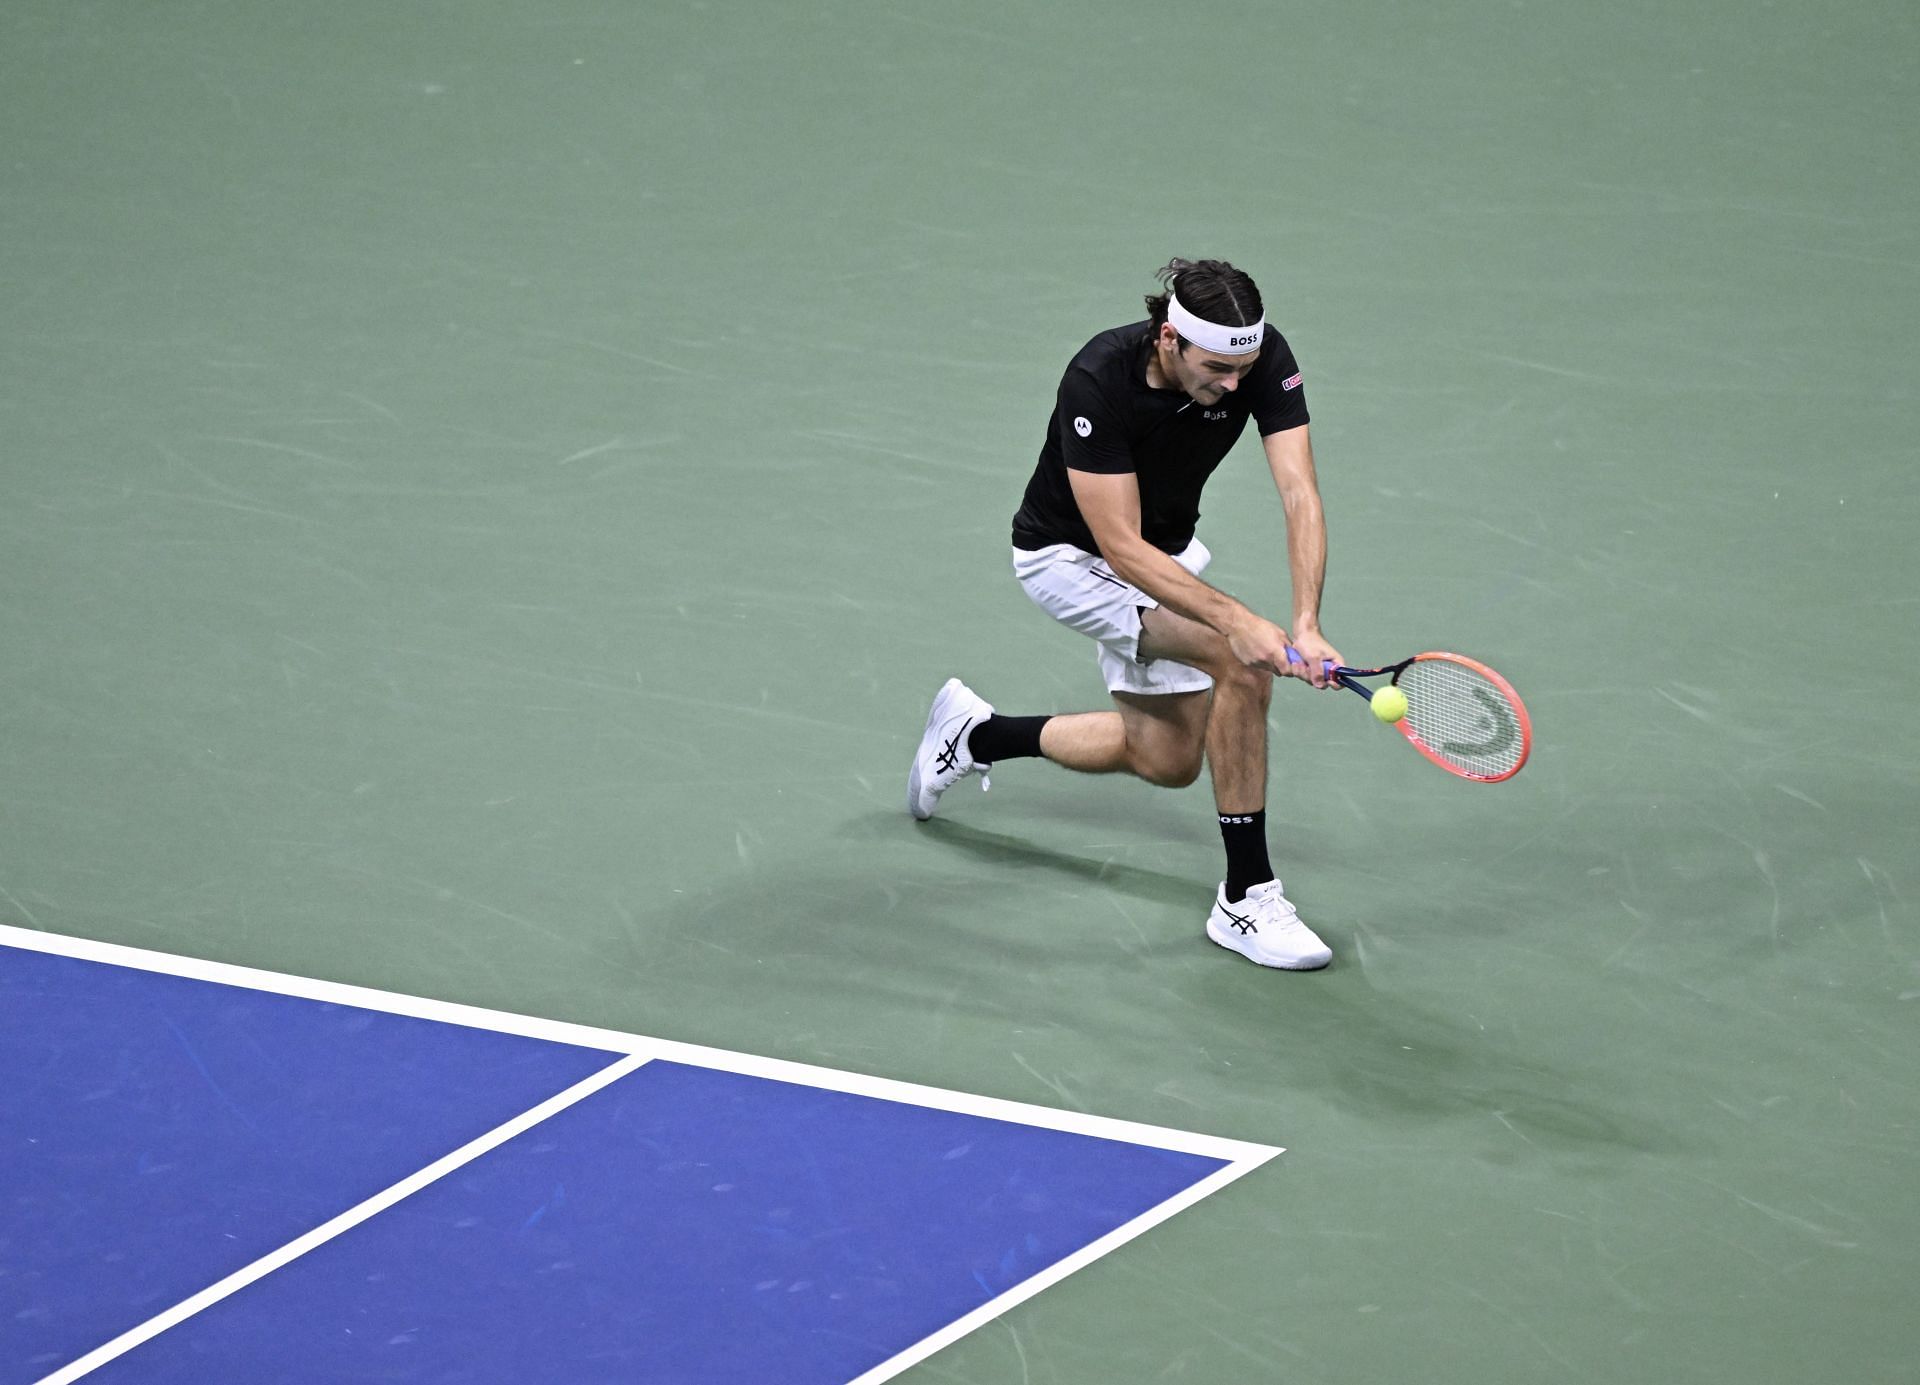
[[1212, 289]]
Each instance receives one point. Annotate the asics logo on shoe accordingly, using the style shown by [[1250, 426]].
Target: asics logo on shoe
[[949, 757], [1244, 923]]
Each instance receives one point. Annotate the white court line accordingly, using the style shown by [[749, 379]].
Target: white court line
[[1241, 1157], [346, 1221], [1051, 1275], [615, 1041]]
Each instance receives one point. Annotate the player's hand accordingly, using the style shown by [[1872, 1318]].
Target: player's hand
[[1260, 643], [1315, 654]]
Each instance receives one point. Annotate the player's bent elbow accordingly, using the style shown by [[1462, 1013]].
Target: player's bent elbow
[[1124, 555]]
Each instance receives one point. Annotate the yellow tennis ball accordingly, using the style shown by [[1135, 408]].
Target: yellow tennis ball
[[1389, 704]]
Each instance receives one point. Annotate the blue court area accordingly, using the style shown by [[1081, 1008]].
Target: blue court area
[[679, 1223]]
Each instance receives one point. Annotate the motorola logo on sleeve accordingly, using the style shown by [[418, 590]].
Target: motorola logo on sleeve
[[1082, 427]]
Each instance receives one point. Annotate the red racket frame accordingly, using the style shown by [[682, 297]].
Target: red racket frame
[[1350, 678]]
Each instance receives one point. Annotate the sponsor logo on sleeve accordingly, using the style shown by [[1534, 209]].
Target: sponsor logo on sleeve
[[1292, 382], [1085, 429]]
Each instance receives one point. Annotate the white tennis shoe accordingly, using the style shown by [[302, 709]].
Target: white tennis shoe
[[943, 759], [1265, 928]]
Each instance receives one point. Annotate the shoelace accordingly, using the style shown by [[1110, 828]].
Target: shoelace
[[1285, 915]]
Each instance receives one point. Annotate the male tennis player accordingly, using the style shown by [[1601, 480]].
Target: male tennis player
[[1104, 543]]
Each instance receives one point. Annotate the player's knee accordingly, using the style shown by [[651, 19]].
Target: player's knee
[[1254, 683], [1172, 770]]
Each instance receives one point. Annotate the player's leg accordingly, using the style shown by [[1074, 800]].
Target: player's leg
[[964, 735], [1165, 735], [1156, 735], [1236, 739], [1159, 667], [1236, 728], [1157, 731], [1159, 739], [1090, 742], [1251, 914]]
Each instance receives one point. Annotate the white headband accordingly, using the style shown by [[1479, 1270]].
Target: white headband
[[1211, 336]]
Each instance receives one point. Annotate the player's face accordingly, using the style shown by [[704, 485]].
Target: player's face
[[1206, 376]]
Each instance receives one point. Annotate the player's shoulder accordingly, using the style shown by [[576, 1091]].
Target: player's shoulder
[[1277, 366], [1275, 346], [1111, 353]]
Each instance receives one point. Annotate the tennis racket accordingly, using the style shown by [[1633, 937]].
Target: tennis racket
[[1461, 715]]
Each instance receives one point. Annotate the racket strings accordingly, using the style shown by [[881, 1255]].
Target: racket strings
[[1463, 717]]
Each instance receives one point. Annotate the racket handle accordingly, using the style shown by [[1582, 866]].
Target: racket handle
[[1343, 676]]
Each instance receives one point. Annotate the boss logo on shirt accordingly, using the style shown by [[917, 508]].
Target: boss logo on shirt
[[1213, 416], [1082, 427]]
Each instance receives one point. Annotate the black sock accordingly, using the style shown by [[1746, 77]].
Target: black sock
[[1006, 738], [1246, 837]]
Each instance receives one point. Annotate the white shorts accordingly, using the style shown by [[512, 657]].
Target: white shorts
[[1079, 590]]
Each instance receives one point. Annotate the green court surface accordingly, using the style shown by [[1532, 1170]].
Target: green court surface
[[490, 489]]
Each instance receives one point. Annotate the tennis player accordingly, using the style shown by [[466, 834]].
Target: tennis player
[[1104, 543]]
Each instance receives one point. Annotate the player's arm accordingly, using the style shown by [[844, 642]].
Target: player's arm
[[1290, 459], [1110, 504]]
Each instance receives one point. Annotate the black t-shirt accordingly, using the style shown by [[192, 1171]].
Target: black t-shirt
[[1108, 419]]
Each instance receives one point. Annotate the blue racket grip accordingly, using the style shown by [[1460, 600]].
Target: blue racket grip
[[1340, 675]]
